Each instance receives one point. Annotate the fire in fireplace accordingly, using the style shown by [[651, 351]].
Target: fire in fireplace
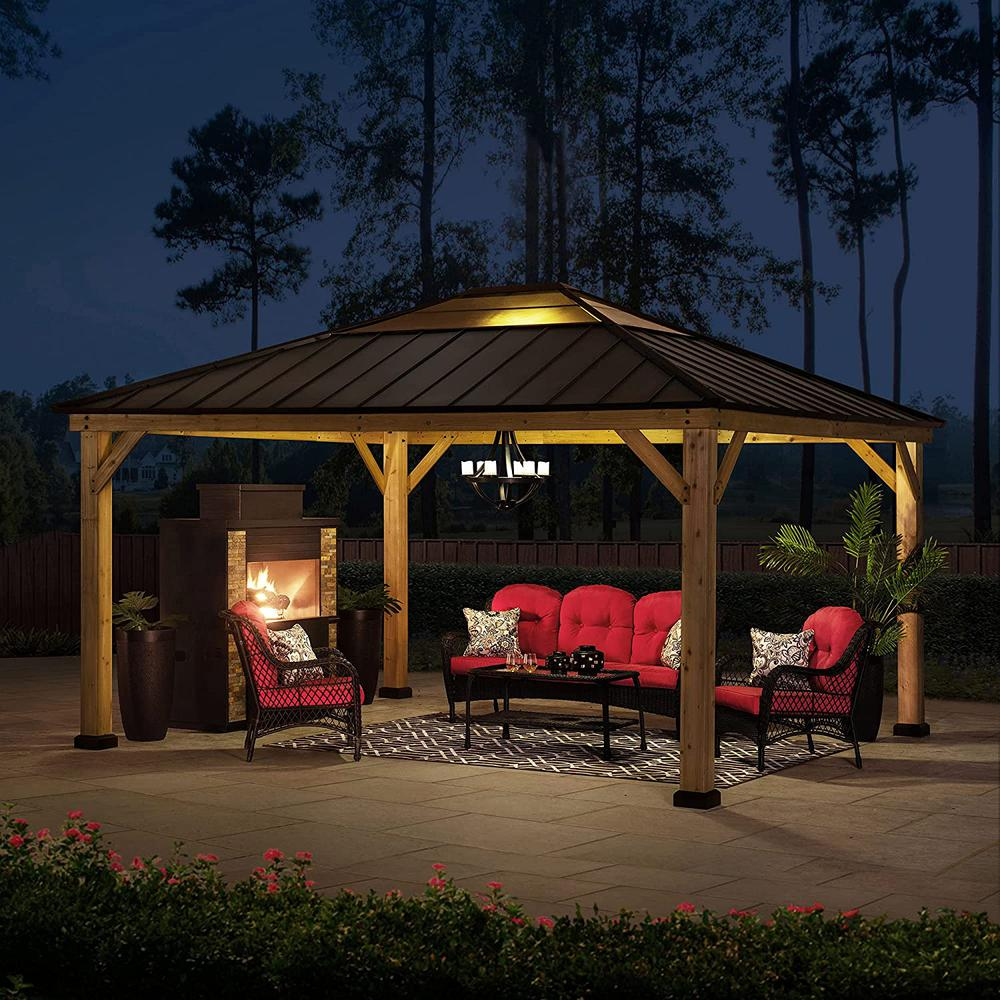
[[285, 589]]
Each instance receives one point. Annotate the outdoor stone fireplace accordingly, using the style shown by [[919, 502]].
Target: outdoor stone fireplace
[[248, 542]]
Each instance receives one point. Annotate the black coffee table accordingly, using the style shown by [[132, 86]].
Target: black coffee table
[[564, 686]]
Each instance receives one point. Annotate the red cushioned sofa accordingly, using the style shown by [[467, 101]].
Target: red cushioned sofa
[[628, 631], [821, 698]]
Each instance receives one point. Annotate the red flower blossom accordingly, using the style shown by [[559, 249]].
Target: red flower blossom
[[273, 854], [86, 838], [439, 867], [517, 920], [436, 883], [303, 856], [16, 841], [495, 886], [114, 855], [43, 833], [117, 866], [93, 827], [686, 908], [208, 858], [20, 822], [850, 913], [272, 887], [74, 814], [546, 922], [259, 872], [309, 883], [489, 908], [73, 833], [173, 881], [138, 864], [742, 913]]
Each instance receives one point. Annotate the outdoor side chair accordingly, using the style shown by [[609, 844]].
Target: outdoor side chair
[[793, 701], [332, 701]]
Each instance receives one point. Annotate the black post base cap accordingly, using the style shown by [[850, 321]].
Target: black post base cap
[[911, 729], [106, 742], [697, 800], [406, 692]]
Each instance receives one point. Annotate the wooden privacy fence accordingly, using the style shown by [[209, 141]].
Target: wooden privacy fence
[[40, 577]]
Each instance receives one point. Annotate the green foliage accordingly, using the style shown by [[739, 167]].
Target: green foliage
[[882, 585], [24, 43], [223, 462], [130, 613], [79, 920], [17, 641], [960, 620], [375, 598], [233, 196]]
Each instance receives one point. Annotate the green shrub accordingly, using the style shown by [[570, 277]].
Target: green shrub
[[961, 622], [16, 641], [79, 921]]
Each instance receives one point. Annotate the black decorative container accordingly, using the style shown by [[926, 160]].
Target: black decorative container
[[557, 663], [359, 638], [587, 661], [868, 709], [146, 681]]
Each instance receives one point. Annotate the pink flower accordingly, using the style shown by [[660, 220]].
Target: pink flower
[[114, 855], [393, 894], [93, 827], [546, 922], [270, 876], [73, 833], [273, 854], [439, 867], [436, 883], [742, 913], [309, 883], [272, 887], [303, 856], [686, 908], [20, 822], [259, 872], [74, 814], [173, 881], [117, 866], [489, 908], [43, 833], [138, 864], [208, 858], [517, 920], [850, 913], [16, 841], [86, 838], [494, 885]]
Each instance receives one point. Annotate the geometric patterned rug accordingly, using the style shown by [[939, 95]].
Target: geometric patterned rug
[[557, 745]]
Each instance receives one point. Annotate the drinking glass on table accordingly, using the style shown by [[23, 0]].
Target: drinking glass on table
[[530, 662]]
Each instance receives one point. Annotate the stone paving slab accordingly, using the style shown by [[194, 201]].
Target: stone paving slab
[[918, 826]]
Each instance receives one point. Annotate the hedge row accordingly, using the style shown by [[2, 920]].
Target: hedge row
[[80, 921], [961, 620]]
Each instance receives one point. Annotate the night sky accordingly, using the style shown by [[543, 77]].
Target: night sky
[[85, 285]]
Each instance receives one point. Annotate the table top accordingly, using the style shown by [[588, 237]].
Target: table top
[[543, 675]]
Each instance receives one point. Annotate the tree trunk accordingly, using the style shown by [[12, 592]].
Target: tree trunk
[[533, 127], [981, 481], [801, 180], [428, 293], [866, 371], [634, 292], [607, 508], [602, 160], [899, 284], [559, 139]]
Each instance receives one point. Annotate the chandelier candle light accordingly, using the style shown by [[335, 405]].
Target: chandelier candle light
[[514, 477]]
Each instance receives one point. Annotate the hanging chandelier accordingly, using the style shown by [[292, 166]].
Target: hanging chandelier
[[505, 479]]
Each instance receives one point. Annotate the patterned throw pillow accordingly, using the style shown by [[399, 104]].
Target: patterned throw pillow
[[492, 633], [293, 645], [670, 655], [774, 649]]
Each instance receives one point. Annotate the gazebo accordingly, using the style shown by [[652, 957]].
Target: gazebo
[[549, 362]]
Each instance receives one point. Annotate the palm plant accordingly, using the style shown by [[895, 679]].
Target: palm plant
[[130, 613], [883, 585]]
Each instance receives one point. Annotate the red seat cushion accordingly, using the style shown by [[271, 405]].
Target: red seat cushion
[[654, 616], [461, 665], [833, 629], [264, 673], [538, 626], [747, 700], [650, 676], [309, 694], [598, 616]]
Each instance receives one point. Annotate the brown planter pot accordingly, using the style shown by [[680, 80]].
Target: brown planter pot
[[359, 638], [146, 681], [868, 711]]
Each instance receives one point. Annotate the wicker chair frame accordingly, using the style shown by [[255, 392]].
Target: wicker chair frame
[[797, 701], [288, 712], [659, 701]]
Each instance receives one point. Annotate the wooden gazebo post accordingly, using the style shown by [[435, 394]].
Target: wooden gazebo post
[[395, 564]]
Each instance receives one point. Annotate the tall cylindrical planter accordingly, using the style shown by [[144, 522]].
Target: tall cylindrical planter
[[868, 711], [146, 681], [359, 638]]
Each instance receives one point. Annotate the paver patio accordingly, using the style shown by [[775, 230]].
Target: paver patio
[[918, 826]]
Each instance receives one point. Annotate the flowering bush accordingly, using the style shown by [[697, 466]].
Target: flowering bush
[[79, 920]]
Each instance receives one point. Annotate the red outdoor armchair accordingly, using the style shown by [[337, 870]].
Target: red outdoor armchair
[[820, 699], [332, 701]]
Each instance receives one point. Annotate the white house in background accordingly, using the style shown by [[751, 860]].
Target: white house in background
[[154, 467]]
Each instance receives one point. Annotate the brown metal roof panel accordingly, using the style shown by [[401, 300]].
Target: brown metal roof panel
[[650, 384], [592, 354], [382, 379]]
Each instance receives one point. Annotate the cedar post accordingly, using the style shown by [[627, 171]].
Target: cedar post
[[698, 528], [95, 597], [395, 561], [910, 655]]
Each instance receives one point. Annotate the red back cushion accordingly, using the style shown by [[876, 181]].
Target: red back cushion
[[264, 673], [654, 616], [538, 626], [833, 629], [598, 616]]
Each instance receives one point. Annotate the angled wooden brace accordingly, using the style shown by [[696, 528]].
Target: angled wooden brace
[[370, 461], [729, 463], [646, 452], [875, 462], [117, 454], [429, 460]]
